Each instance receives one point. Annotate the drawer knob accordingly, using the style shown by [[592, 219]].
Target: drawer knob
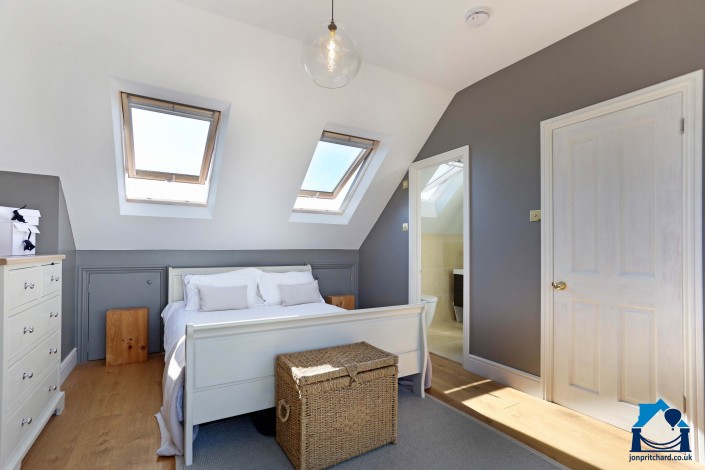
[[28, 329], [26, 421], [53, 314], [52, 388], [27, 375], [53, 350], [54, 278], [29, 285]]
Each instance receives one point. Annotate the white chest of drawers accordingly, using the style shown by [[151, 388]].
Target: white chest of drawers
[[30, 296]]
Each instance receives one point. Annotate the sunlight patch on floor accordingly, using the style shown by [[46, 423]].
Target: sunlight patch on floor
[[463, 387]]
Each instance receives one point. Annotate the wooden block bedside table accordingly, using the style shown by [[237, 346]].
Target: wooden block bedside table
[[346, 301], [126, 335]]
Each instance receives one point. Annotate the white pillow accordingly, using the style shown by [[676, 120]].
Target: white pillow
[[222, 298], [269, 284], [297, 294], [247, 277]]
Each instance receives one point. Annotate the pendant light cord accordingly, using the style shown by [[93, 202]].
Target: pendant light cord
[[332, 27]]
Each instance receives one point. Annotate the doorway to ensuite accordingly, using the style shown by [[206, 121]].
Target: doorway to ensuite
[[439, 249]]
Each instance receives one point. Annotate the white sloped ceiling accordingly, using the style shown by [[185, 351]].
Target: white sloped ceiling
[[58, 61]]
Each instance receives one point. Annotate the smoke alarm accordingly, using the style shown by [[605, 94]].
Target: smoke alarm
[[476, 17]]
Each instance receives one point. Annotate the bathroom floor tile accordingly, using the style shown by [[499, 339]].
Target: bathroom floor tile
[[446, 339]]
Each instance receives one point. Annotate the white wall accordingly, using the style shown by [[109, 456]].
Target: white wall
[[57, 62]]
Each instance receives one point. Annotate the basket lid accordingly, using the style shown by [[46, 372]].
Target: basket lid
[[318, 365]]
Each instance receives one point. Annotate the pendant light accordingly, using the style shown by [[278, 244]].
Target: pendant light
[[330, 55]]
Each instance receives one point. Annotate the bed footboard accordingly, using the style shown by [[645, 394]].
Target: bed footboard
[[230, 366]]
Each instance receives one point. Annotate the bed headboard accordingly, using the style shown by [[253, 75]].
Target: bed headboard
[[176, 281]]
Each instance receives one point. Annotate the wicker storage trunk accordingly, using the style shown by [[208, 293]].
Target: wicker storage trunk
[[335, 403]]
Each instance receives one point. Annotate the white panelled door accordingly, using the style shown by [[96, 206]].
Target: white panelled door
[[618, 246]]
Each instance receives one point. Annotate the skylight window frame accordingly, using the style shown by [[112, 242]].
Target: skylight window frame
[[367, 145], [441, 182], [129, 101]]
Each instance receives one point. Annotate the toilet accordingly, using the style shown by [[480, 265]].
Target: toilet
[[429, 302]]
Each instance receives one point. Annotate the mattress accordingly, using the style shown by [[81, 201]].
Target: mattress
[[176, 317]]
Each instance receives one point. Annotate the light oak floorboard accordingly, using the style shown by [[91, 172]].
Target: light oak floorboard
[[108, 421], [570, 438]]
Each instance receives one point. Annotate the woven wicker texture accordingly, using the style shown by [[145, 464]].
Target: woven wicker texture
[[335, 403]]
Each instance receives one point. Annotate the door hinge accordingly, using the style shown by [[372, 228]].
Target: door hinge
[[682, 125]]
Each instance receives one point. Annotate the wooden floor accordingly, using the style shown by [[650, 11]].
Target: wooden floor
[[108, 421], [570, 438]]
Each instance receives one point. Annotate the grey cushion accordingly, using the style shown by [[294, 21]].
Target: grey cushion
[[296, 294], [223, 298]]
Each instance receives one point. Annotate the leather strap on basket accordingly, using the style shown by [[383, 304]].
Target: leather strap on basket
[[283, 405], [352, 372]]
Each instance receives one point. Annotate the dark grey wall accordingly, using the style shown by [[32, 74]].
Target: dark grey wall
[[384, 256], [40, 192], [325, 263], [646, 43], [204, 258], [44, 193], [336, 271], [67, 246]]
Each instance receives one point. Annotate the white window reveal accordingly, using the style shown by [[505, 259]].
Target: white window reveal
[[337, 166], [168, 149]]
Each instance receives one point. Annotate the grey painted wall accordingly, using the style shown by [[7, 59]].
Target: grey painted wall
[[646, 43], [197, 258], [44, 193], [67, 246], [384, 256], [336, 271]]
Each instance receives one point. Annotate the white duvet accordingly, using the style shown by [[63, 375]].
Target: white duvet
[[176, 317]]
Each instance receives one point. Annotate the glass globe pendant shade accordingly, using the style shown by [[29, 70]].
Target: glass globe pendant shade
[[330, 56]]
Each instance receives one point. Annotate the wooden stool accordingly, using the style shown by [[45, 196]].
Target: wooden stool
[[346, 301], [126, 335]]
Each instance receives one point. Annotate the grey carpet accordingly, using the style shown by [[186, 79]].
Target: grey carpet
[[431, 436]]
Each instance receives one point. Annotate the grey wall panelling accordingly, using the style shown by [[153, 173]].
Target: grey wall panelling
[[648, 42], [116, 284], [119, 287], [335, 279]]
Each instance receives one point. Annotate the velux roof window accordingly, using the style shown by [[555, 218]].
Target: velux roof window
[[440, 181], [168, 149], [338, 163]]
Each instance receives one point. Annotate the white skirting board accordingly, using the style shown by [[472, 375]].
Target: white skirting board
[[67, 365], [505, 375]]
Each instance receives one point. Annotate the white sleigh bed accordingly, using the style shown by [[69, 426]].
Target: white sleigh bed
[[229, 366]]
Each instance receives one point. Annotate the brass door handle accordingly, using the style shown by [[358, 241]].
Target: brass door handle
[[560, 285]]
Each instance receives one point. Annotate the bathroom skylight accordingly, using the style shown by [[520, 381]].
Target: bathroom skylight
[[440, 180]]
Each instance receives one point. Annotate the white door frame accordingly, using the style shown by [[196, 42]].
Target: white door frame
[[462, 154], [691, 86]]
